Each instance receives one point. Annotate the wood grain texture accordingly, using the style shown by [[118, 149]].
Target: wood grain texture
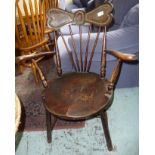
[[121, 55], [100, 16], [21, 59], [68, 51], [77, 96], [103, 56], [74, 48], [116, 72], [87, 48], [93, 49], [58, 60], [29, 33]]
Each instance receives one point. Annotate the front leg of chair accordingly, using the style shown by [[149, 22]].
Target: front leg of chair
[[104, 119], [48, 125]]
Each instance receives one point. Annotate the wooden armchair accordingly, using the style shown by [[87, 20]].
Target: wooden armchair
[[81, 95], [29, 34]]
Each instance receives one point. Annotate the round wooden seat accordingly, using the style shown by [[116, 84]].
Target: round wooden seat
[[77, 95]]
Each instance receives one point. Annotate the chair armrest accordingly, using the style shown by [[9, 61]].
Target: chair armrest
[[23, 58], [122, 56]]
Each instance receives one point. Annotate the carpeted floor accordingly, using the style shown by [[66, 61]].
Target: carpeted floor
[[33, 113]]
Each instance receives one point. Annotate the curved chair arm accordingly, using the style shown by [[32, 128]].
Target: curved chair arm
[[29, 57], [122, 56]]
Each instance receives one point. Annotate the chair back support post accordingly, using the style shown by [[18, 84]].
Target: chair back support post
[[116, 72]]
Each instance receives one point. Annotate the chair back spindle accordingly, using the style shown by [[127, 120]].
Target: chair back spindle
[[58, 60], [103, 55], [51, 4], [93, 49], [69, 52], [81, 60], [29, 23], [87, 48], [74, 48]]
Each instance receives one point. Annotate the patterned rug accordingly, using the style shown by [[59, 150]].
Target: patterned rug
[[29, 93]]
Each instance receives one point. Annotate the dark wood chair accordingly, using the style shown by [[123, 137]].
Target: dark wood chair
[[81, 95]]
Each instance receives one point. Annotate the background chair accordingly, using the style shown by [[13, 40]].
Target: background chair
[[49, 4], [81, 94], [29, 34]]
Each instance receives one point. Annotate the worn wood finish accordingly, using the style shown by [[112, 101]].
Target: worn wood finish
[[116, 71], [77, 95], [93, 49], [29, 33], [87, 48], [69, 52], [23, 58], [104, 120], [58, 60], [81, 59], [50, 125], [40, 73], [81, 94], [74, 48], [122, 56], [103, 56], [101, 16]]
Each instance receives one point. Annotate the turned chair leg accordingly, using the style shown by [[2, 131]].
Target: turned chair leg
[[49, 125], [104, 119]]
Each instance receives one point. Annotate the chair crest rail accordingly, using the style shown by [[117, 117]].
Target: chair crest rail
[[101, 16]]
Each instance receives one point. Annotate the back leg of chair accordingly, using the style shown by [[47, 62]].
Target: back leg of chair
[[50, 125], [104, 119]]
